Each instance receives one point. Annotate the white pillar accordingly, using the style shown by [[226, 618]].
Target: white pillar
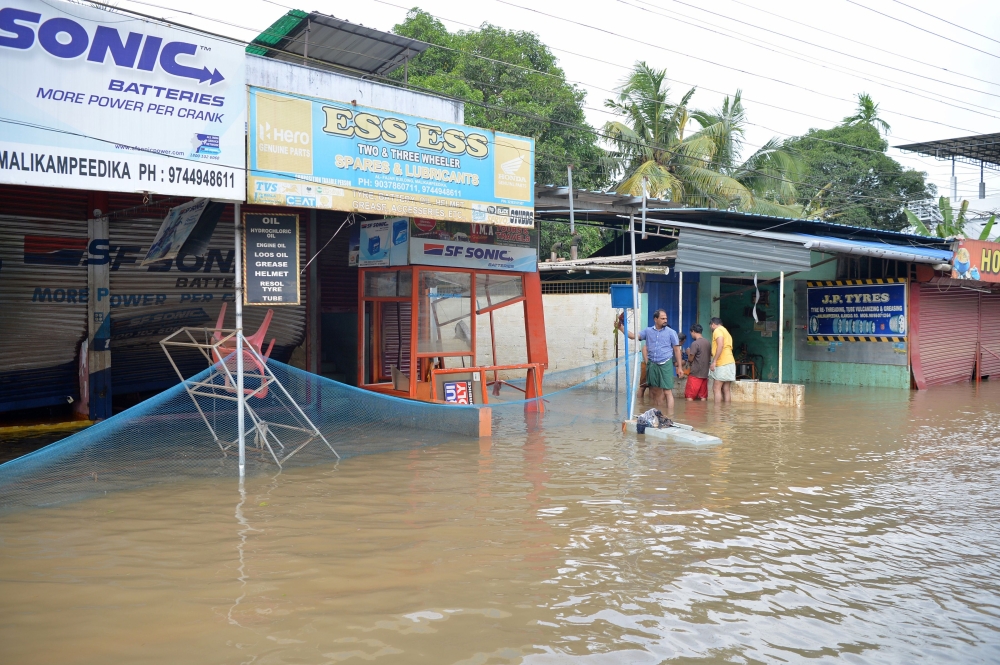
[[680, 303], [240, 397], [635, 314], [572, 218], [781, 326]]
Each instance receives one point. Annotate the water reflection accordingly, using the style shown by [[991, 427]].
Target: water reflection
[[861, 527]]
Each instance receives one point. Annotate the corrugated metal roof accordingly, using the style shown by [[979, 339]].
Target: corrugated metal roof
[[338, 44], [711, 251]]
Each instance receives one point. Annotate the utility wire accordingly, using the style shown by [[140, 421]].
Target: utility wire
[[866, 44], [825, 48], [917, 27], [717, 64], [944, 20], [570, 125]]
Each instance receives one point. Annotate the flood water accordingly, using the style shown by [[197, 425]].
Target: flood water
[[861, 528]]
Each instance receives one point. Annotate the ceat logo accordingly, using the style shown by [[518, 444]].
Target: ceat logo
[[433, 250], [63, 37]]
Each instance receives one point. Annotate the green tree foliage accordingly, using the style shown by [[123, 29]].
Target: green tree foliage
[[860, 187], [531, 98], [652, 146]]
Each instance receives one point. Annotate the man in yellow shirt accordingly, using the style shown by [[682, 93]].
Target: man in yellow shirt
[[723, 365]]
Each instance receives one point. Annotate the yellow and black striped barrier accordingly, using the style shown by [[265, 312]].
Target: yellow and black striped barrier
[[857, 282], [853, 338]]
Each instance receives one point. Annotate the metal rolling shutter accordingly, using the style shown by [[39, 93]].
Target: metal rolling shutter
[[43, 316], [150, 303], [989, 340], [396, 318], [338, 281], [948, 327]]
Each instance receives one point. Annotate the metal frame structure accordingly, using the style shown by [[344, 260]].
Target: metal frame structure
[[222, 384]]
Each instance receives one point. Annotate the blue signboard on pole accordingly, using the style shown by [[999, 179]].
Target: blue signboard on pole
[[857, 310]]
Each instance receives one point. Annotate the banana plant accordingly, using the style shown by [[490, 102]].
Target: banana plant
[[950, 225]]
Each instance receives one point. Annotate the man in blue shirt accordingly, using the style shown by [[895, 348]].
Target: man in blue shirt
[[662, 354]]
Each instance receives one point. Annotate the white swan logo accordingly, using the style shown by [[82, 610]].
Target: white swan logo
[[512, 166]]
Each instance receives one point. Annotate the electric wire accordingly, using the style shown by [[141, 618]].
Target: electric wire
[[866, 44], [535, 117], [944, 20], [917, 27]]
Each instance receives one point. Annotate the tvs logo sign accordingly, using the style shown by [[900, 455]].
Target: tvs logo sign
[[64, 38]]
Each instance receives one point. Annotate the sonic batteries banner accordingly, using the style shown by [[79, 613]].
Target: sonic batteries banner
[[317, 153], [96, 100]]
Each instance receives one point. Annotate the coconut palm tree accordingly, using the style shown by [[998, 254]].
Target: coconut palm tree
[[867, 114], [650, 147], [768, 175]]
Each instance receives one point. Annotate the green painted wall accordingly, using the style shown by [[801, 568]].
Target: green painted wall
[[854, 374], [800, 371], [763, 351]]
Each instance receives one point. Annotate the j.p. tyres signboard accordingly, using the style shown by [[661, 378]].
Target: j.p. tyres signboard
[[270, 259], [867, 310], [97, 100], [318, 153], [976, 259]]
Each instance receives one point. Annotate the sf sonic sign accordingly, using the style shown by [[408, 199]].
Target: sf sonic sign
[[110, 101]]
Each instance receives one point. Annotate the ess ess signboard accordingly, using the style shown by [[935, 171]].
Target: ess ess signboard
[[109, 101], [318, 153]]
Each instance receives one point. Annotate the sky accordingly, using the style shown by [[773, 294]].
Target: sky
[[799, 64]]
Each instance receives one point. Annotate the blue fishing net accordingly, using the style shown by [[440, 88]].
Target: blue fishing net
[[178, 435]]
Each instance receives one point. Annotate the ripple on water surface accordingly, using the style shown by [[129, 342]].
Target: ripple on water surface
[[861, 528]]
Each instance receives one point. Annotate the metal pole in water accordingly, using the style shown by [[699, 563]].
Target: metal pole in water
[[635, 306], [781, 324], [240, 396]]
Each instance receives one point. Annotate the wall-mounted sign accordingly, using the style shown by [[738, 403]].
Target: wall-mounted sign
[[383, 242], [270, 259], [976, 259], [857, 311], [318, 153], [484, 246], [107, 101]]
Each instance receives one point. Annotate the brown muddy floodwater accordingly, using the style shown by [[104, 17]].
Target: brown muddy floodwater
[[862, 528]]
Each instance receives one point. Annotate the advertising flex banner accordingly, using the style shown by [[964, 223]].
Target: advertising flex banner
[[99, 100], [317, 153], [976, 259], [857, 310]]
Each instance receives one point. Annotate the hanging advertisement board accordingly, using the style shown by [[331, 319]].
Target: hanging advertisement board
[[270, 259], [976, 259], [857, 310], [100, 100], [383, 242], [318, 153]]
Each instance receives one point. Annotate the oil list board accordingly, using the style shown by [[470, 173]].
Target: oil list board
[[270, 259]]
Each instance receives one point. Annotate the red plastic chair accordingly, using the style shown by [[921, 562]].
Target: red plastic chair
[[256, 341]]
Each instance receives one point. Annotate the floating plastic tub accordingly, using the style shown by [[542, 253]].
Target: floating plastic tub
[[676, 435]]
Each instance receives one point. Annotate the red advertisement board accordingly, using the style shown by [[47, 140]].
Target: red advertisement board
[[976, 259]]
